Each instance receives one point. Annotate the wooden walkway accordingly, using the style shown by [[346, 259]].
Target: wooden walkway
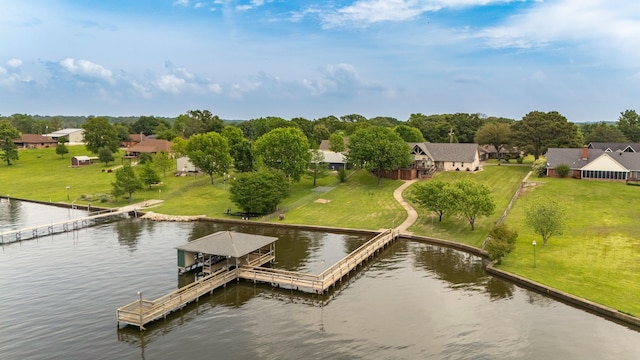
[[33, 232], [141, 312]]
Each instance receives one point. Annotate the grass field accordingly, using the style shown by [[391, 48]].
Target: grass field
[[503, 182], [598, 255]]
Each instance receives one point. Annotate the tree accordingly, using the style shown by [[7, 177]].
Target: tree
[[24, 123], [409, 133], [601, 132], [474, 200], [148, 175], [629, 124], [285, 149], [378, 149], [435, 195], [501, 242], [260, 191], [126, 182], [7, 135], [210, 153], [546, 218], [336, 142], [99, 133], [538, 131], [197, 122], [105, 155], [61, 149], [494, 133], [163, 162], [317, 167], [240, 149]]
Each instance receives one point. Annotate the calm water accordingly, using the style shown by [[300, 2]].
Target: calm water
[[58, 296]]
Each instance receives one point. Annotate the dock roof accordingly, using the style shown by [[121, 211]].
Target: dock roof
[[227, 243]]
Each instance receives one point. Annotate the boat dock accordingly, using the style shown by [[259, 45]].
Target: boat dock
[[140, 312]]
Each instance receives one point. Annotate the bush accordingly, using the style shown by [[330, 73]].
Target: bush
[[502, 241], [562, 170], [539, 167], [342, 175]]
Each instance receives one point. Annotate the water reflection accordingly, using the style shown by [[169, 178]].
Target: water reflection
[[10, 214], [129, 231]]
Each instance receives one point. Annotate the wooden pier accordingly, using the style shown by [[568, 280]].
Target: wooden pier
[[33, 232], [141, 312]]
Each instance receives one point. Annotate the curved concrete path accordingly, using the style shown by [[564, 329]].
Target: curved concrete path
[[412, 215]]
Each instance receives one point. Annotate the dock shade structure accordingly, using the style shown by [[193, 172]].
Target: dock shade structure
[[225, 249]]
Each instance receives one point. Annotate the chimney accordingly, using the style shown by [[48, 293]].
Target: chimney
[[585, 153]]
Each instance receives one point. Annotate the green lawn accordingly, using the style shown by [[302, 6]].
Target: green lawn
[[503, 182], [358, 203], [598, 256]]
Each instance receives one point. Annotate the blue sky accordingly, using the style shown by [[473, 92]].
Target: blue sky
[[244, 59]]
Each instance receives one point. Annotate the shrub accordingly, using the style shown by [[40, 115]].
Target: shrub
[[562, 170], [342, 175], [539, 167], [502, 241]]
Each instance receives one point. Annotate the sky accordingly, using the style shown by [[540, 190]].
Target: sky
[[245, 59]]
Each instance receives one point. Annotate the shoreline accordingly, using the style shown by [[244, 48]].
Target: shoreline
[[584, 304]]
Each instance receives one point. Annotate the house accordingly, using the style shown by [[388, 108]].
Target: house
[[487, 152], [149, 146], [324, 145], [33, 141], [431, 157], [613, 147], [80, 160], [334, 160], [74, 136], [596, 164], [134, 139]]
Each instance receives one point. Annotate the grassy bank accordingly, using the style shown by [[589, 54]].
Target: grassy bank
[[503, 182], [598, 256]]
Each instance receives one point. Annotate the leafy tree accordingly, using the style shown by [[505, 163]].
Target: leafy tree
[[210, 153], [494, 133], [409, 133], [317, 167], [435, 195], [319, 133], [197, 122], [260, 191], [148, 175], [63, 140], [629, 124], [562, 170], [147, 125], [126, 182], [336, 142], [8, 134], [353, 118], [123, 133], [99, 134], [539, 167], [163, 162], [546, 218], [144, 158], [378, 149], [501, 242], [602, 132], [24, 123], [255, 128], [61, 149], [105, 155], [179, 146], [285, 149], [240, 149], [165, 132], [538, 131], [474, 200], [384, 121]]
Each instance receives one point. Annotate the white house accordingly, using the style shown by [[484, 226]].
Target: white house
[[183, 164]]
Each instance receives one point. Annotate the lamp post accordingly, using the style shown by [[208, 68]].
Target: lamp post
[[68, 187], [534, 252]]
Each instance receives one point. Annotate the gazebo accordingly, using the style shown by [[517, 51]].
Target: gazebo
[[224, 250]]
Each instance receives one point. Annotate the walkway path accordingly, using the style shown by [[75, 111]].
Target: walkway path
[[412, 215]]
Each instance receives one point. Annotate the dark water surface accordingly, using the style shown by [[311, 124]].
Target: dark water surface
[[58, 296]]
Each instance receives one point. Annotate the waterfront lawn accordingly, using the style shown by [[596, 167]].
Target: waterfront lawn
[[598, 255], [503, 182], [358, 203]]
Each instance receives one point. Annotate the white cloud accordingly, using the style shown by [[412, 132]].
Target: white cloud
[[87, 69], [14, 63], [171, 84], [252, 5], [181, 3]]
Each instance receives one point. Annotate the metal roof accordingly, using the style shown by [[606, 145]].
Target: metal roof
[[227, 243]]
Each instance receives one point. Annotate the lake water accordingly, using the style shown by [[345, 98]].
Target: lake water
[[58, 296]]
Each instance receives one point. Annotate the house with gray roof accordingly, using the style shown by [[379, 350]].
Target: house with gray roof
[[431, 157], [595, 164], [613, 147]]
